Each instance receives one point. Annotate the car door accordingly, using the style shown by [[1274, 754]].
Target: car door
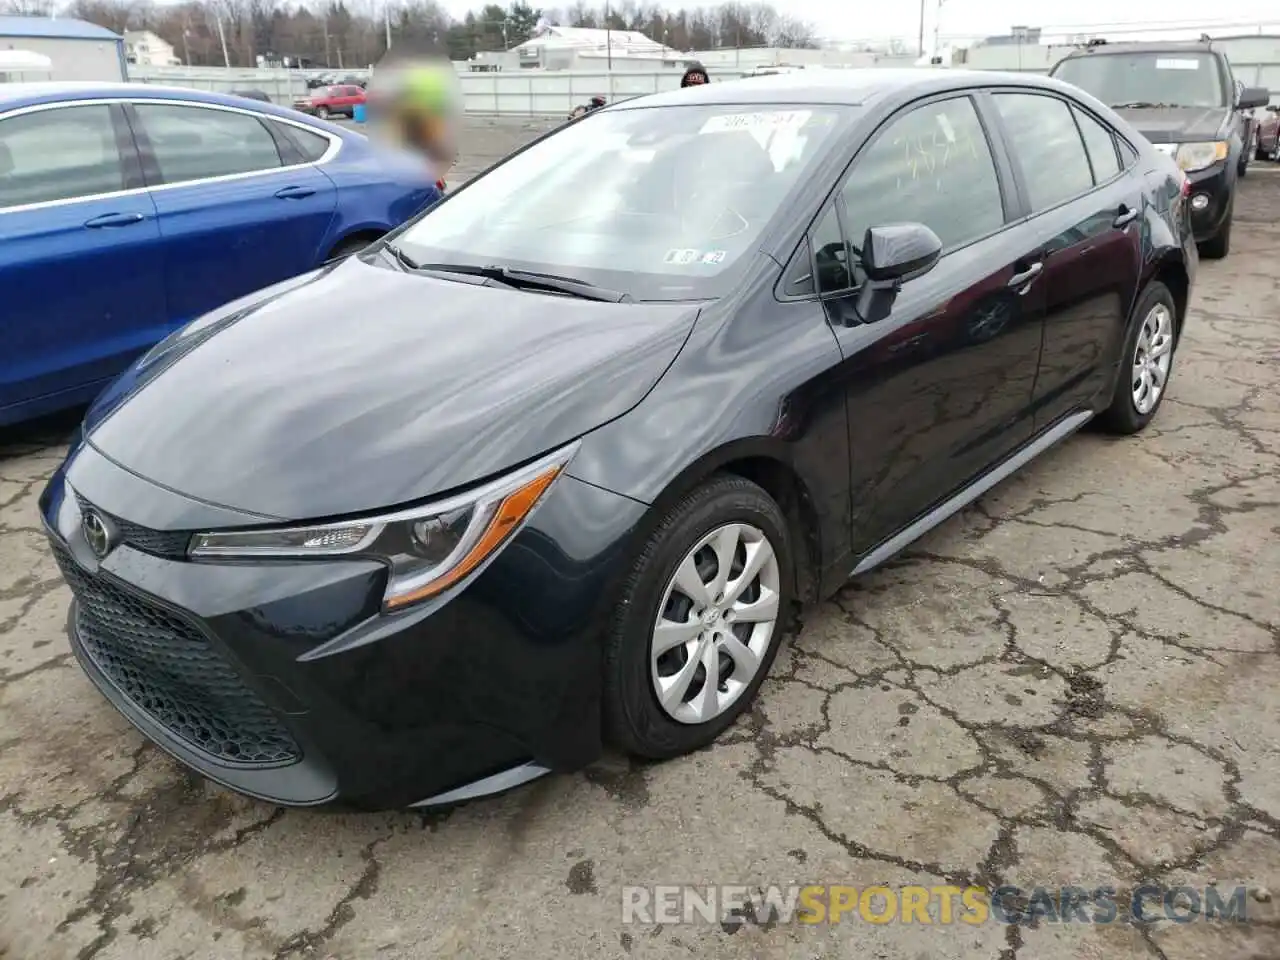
[[234, 216], [351, 96], [1089, 215], [940, 389], [81, 266]]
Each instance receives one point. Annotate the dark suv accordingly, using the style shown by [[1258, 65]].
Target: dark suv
[[1183, 98]]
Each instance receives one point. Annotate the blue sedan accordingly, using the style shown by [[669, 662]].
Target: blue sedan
[[127, 210]]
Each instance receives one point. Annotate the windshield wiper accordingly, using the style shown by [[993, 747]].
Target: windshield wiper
[[1141, 105], [529, 280], [400, 256], [517, 279]]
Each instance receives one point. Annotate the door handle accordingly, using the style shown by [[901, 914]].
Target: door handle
[[114, 220], [1127, 216], [294, 193], [1023, 280]]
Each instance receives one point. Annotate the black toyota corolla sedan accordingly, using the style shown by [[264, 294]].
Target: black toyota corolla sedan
[[552, 465]]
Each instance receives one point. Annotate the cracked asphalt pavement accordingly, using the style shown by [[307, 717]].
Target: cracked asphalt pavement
[[1073, 682]]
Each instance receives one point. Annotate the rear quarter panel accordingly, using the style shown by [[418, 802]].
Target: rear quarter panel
[[377, 189]]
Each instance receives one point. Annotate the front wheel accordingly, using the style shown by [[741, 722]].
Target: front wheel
[[1219, 245], [1146, 363], [323, 113], [700, 619]]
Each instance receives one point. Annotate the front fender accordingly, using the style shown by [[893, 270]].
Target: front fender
[[755, 381]]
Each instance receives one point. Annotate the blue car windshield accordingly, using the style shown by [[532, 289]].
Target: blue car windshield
[[658, 203]]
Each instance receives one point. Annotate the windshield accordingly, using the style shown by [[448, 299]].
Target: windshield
[[1168, 79], [655, 202]]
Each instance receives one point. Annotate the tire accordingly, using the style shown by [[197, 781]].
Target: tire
[[1125, 416], [634, 719], [348, 247], [1219, 245], [322, 113]]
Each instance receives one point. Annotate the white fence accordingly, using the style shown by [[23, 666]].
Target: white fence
[[282, 86], [1255, 61], [555, 93], [526, 92]]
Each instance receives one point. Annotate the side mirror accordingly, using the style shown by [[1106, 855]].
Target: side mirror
[[891, 255], [1254, 97]]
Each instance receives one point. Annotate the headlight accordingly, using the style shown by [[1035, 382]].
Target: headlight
[[1197, 156], [428, 548]]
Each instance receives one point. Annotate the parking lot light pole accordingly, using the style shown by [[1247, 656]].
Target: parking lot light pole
[[222, 38]]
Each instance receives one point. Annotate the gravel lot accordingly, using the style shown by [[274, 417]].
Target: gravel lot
[[1073, 682]]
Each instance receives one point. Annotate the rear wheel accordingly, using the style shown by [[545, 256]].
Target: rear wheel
[[700, 620], [349, 246], [1146, 363]]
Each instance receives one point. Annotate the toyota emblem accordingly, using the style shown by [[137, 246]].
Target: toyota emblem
[[96, 533]]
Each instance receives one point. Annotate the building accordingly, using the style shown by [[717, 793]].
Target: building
[[1016, 35], [568, 48], [77, 50], [146, 49]]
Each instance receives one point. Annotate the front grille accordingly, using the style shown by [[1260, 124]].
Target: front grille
[[168, 670], [161, 543]]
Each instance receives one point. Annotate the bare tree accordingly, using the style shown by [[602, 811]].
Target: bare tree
[[792, 33], [27, 8], [350, 33]]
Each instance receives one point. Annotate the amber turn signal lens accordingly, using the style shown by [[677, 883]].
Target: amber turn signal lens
[[510, 513]]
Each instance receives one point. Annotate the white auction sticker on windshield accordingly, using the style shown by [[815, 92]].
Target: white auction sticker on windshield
[[1177, 64], [768, 120], [713, 256]]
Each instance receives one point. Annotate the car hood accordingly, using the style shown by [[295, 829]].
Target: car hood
[[363, 387], [1177, 124]]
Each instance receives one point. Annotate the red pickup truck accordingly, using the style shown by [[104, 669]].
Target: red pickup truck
[[335, 101]]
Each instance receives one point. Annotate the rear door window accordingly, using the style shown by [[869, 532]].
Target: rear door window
[[310, 146], [198, 143], [1048, 147], [1101, 145], [59, 154]]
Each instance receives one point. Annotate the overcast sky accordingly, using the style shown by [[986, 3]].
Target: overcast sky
[[855, 19]]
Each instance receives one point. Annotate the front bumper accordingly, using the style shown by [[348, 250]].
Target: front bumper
[[284, 681], [1213, 186]]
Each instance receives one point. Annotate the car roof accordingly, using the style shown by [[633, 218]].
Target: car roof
[[853, 87], [1145, 46], [25, 94]]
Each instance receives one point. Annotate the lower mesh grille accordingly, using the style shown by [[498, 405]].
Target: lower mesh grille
[[168, 670]]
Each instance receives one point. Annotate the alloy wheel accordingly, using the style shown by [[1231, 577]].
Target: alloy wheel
[[715, 623], [1152, 358]]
